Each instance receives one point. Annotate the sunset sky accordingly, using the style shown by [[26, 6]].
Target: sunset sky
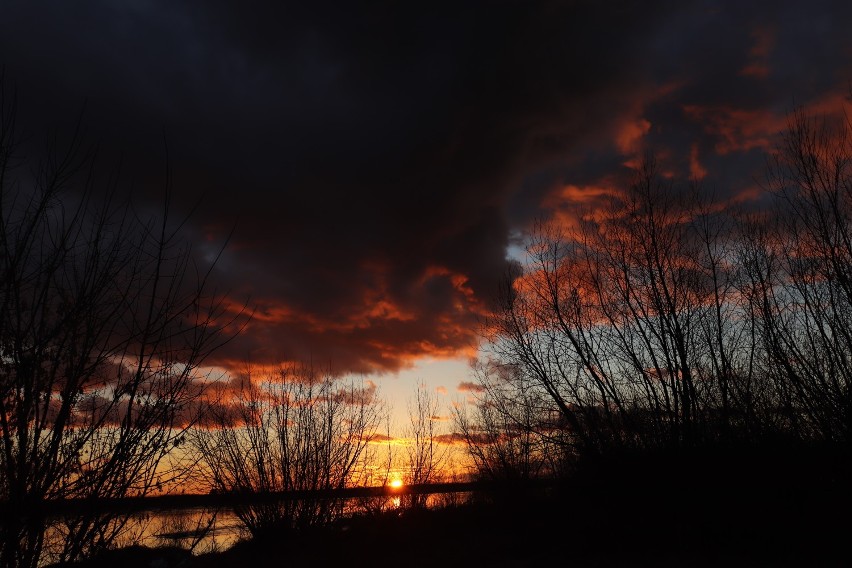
[[380, 162]]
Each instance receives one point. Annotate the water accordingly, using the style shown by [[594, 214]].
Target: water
[[203, 530], [199, 530]]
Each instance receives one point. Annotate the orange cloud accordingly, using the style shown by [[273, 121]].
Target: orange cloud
[[460, 283], [460, 341], [466, 386], [696, 170], [578, 194], [737, 130], [383, 326], [631, 129], [630, 134], [450, 440], [381, 439], [764, 43], [740, 130], [356, 396], [572, 204]]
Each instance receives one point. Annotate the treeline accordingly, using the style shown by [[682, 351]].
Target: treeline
[[666, 321]]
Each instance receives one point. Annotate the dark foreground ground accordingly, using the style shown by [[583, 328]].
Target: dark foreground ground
[[775, 510]]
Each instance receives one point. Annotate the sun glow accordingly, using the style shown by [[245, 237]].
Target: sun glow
[[395, 483]]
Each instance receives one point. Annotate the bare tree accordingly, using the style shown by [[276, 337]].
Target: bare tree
[[509, 433], [800, 279], [294, 430], [607, 321], [425, 455], [629, 325], [670, 321], [105, 322]]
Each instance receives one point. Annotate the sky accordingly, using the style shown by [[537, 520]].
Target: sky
[[377, 164]]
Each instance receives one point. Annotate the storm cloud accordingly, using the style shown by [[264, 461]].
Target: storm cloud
[[377, 160]]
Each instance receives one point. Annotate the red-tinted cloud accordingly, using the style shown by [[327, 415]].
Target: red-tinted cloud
[[466, 386], [735, 129], [758, 56], [376, 163]]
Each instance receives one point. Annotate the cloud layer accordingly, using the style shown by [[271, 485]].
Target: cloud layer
[[378, 161]]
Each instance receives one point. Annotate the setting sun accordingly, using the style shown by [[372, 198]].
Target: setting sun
[[395, 483]]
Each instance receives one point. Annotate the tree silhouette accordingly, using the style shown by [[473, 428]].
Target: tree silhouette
[[294, 430], [507, 435], [425, 456], [667, 321], [105, 322]]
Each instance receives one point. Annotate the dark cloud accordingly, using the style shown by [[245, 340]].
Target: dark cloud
[[379, 158]]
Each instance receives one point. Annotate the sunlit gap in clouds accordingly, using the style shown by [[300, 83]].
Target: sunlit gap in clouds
[[440, 376], [517, 246], [443, 378]]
